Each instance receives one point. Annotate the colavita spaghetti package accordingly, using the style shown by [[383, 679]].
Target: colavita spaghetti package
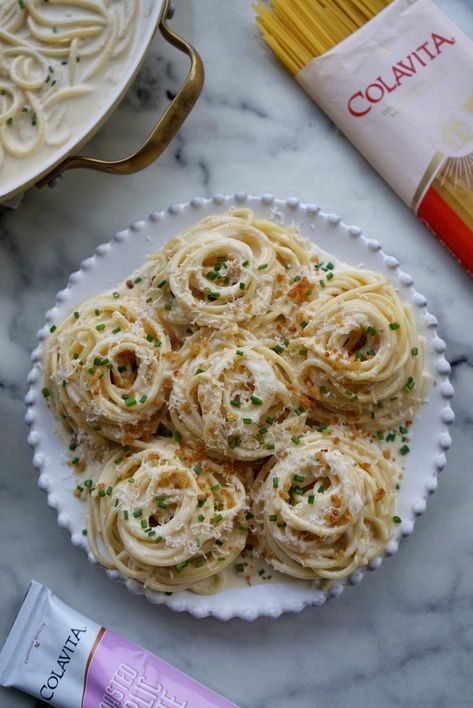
[[395, 77], [67, 660]]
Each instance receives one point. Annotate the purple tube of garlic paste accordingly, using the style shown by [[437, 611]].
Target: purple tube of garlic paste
[[60, 656]]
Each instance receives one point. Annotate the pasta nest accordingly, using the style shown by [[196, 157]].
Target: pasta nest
[[162, 518], [227, 268], [240, 398], [360, 359], [106, 369], [325, 507]]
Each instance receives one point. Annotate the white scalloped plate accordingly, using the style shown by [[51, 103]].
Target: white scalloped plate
[[114, 261]]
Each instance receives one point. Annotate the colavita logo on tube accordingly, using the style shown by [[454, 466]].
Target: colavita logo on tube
[[59, 669]]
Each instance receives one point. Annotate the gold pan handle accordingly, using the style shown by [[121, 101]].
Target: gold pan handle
[[166, 127]]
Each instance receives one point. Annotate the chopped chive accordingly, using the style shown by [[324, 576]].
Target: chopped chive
[[101, 492], [177, 436], [278, 349], [303, 324], [270, 446], [84, 532], [275, 482], [213, 295], [329, 276], [299, 411], [321, 489], [311, 499], [269, 420], [414, 351], [299, 477], [201, 502], [239, 352], [143, 523], [249, 515], [212, 275], [100, 327], [75, 460], [199, 371], [380, 435], [394, 325], [167, 307], [198, 469], [262, 266], [242, 286], [296, 439], [116, 330], [235, 403], [273, 517], [137, 514], [256, 401], [404, 449], [96, 426], [199, 562], [162, 283], [45, 392], [282, 525], [322, 283], [125, 515], [215, 488], [88, 483], [201, 518], [180, 566], [390, 437], [143, 398], [130, 402], [397, 519], [116, 295], [247, 421], [235, 442], [240, 568], [76, 315], [297, 278], [245, 264], [371, 331], [217, 519], [109, 491], [137, 280]]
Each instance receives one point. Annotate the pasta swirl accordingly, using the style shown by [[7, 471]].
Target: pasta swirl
[[237, 396], [361, 358], [162, 522], [325, 508], [106, 369], [226, 268]]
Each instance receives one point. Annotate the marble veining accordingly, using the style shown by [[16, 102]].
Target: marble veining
[[404, 636]]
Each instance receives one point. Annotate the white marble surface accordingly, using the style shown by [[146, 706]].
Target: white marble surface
[[404, 637]]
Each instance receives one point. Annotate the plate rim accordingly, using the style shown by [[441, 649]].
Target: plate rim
[[183, 601]]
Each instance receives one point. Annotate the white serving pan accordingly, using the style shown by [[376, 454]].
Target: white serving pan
[[153, 15]]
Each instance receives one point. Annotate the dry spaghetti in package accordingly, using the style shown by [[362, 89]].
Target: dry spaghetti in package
[[395, 77]]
